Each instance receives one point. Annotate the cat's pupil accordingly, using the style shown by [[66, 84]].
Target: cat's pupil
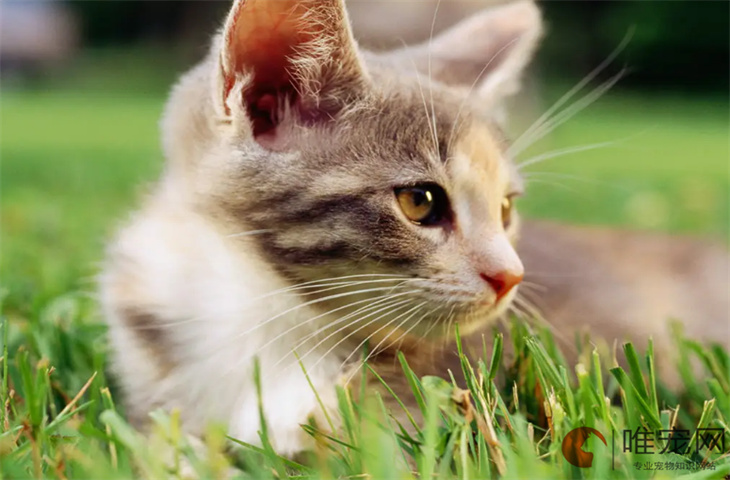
[[420, 197]]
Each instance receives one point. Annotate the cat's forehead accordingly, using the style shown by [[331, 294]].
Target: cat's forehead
[[431, 131], [478, 156]]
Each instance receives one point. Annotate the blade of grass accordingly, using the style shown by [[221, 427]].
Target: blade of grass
[[413, 382], [653, 400], [710, 363], [60, 418], [326, 414], [704, 421], [261, 451], [4, 388], [396, 397], [627, 385], [637, 377], [271, 455], [496, 359]]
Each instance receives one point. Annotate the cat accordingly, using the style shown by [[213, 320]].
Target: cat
[[316, 197]]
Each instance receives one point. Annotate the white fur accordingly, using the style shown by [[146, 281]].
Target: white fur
[[187, 271]]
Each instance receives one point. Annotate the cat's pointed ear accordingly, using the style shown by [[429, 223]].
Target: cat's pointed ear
[[283, 58], [489, 50]]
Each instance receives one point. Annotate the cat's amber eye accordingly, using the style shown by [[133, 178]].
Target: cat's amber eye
[[425, 204], [507, 211]]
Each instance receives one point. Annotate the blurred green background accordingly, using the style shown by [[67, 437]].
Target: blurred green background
[[79, 137]]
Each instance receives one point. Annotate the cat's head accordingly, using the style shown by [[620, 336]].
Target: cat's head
[[385, 170]]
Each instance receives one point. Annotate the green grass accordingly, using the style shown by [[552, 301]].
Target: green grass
[[484, 428], [666, 167], [76, 156]]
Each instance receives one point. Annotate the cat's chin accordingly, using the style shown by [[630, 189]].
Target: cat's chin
[[481, 316], [473, 318], [474, 323]]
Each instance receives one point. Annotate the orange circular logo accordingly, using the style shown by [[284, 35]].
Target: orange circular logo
[[573, 446]]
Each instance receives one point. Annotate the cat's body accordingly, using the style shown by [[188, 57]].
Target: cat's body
[[316, 197], [627, 285]]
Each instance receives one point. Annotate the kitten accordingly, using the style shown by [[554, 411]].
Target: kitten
[[317, 197]]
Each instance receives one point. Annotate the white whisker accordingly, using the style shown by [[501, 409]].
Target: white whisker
[[565, 115], [430, 81], [293, 350], [415, 310], [578, 87], [359, 329], [249, 233], [423, 97], [555, 184], [528, 284], [536, 316], [450, 319], [474, 84], [402, 335], [295, 288], [389, 309], [430, 329], [535, 176], [561, 152], [322, 282], [335, 286], [312, 302], [321, 315]]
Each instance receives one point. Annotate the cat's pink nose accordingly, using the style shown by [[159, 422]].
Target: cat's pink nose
[[502, 282]]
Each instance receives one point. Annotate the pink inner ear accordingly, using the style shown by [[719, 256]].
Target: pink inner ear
[[261, 40], [263, 102]]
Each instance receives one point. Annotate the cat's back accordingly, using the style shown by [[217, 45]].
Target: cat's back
[[627, 284]]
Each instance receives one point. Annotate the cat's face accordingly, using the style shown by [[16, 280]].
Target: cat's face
[[370, 180]]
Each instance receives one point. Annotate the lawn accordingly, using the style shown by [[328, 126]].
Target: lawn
[[76, 156]]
